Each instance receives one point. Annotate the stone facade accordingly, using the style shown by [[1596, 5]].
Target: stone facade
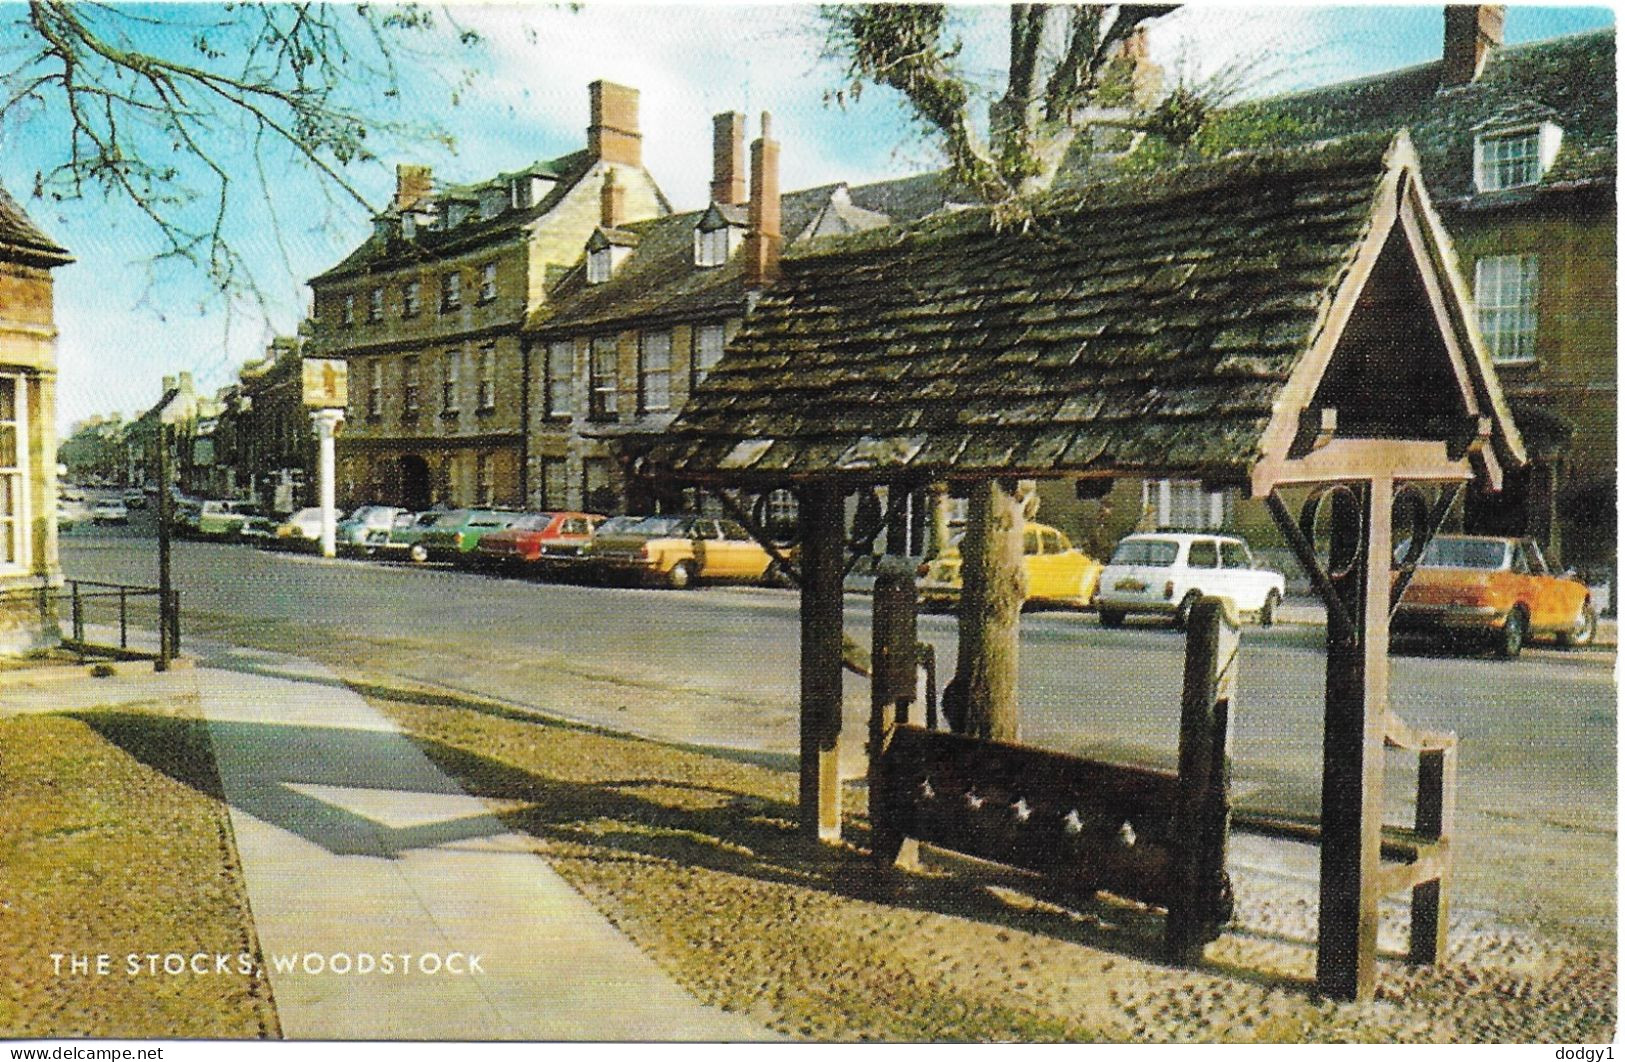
[[29, 570], [428, 311]]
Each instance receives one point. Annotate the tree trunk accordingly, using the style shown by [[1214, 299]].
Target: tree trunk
[[994, 585]]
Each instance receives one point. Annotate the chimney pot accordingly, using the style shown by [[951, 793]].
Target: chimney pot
[[728, 158], [764, 240], [1471, 33], [612, 133]]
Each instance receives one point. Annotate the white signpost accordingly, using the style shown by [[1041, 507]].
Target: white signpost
[[326, 391]]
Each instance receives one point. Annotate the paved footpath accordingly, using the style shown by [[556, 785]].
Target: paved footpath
[[355, 847]]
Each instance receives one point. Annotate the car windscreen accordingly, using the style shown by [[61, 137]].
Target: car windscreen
[[1479, 554], [532, 522], [455, 518], [662, 526], [1146, 552], [617, 524]]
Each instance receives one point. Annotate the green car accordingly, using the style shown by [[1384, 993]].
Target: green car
[[454, 534]]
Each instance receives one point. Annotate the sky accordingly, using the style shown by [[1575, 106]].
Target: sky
[[521, 95]]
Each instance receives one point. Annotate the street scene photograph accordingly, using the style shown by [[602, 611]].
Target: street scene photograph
[[897, 523]]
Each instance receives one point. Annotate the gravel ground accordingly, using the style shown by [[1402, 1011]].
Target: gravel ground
[[696, 857]]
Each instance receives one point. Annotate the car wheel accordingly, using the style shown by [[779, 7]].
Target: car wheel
[[1111, 617], [681, 576], [1182, 615], [1509, 641], [419, 554], [1266, 615], [775, 576], [1584, 629]]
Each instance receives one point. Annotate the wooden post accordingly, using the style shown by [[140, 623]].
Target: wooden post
[[1435, 818], [1352, 753], [893, 683], [1202, 817], [938, 540], [994, 587], [821, 570]]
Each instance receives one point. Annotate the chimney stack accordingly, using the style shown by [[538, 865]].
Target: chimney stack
[[412, 183], [611, 202], [1471, 33], [763, 241], [612, 135], [728, 158]]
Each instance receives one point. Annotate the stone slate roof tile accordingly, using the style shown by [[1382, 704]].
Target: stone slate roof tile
[[21, 238], [1139, 324], [1568, 79], [382, 252]]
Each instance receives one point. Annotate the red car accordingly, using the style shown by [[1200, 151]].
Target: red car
[[535, 537]]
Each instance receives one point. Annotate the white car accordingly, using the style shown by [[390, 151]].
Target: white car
[[110, 511], [1166, 572]]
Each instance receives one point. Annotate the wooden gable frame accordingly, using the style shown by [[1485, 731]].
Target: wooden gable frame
[[1302, 444]]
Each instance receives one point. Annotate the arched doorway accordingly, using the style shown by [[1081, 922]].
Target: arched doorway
[[414, 482]]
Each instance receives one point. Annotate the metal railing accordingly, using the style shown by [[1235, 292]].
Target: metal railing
[[84, 596]]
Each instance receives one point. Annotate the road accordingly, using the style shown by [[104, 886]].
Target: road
[[717, 667]]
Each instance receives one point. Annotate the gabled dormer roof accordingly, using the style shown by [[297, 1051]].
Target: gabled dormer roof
[[723, 215], [1186, 324]]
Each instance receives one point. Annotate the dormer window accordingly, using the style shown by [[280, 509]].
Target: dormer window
[[457, 212], [716, 235], [1515, 158], [492, 202], [600, 263], [711, 248]]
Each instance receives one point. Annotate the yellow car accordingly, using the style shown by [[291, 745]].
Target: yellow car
[[678, 551], [1057, 572]]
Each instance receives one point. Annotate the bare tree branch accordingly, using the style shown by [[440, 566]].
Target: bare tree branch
[[148, 123]]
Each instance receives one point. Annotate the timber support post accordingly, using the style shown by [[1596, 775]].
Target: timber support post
[[822, 569], [1360, 560], [893, 684], [1202, 814]]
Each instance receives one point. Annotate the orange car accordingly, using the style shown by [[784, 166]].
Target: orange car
[[1496, 587]]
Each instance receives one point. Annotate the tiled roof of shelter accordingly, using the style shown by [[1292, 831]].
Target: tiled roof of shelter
[[21, 238], [1141, 324], [1567, 80]]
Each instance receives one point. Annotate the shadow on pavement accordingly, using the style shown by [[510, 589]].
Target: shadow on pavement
[[647, 819]]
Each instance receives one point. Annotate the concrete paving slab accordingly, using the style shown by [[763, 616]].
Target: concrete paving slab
[[360, 854]]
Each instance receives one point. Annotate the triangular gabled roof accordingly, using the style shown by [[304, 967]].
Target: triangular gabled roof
[[1175, 325]]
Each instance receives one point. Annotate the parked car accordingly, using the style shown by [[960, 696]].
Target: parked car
[[353, 530], [135, 498], [258, 530], [527, 542], [454, 534], [1057, 572], [1499, 589], [301, 530], [1165, 573], [71, 514], [678, 551], [223, 519], [402, 535], [110, 511]]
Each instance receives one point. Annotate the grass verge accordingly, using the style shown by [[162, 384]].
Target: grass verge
[[104, 853]]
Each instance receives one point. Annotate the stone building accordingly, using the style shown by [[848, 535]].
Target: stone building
[[427, 312], [264, 434], [649, 306], [1518, 147], [28, 458]]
